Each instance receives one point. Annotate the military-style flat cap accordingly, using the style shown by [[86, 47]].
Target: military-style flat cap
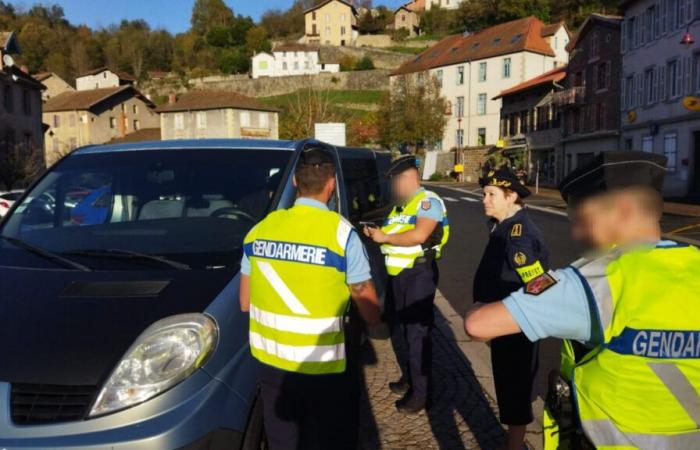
[[505, 179], [402, 164], [316, 157], [614, 170]]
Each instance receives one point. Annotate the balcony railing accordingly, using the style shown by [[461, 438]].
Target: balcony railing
[[568, 97]]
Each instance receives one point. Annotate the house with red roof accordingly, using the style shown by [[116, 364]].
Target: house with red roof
[[473, 69]]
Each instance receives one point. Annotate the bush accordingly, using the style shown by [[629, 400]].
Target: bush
[[437, 176], [365, 64], [347, 63], [400, 35]]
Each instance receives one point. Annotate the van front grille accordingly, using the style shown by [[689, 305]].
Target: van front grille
[[43, 403]]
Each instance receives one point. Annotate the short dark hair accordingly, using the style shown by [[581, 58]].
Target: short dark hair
[[311, 178], [518, 201]]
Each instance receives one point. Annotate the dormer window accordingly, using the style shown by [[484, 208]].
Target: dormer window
[[516, 38]]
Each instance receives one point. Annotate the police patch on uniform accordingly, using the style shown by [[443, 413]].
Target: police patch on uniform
[[520, 259], [540, 284], [517, 230], [425, 204]]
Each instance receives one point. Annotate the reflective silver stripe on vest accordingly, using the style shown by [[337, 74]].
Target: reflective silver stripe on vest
[[605, 433], [679, 385], [295, 353], [595, 273], [299, 325]]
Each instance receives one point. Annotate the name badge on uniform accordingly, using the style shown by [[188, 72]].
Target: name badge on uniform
[[540, 284]]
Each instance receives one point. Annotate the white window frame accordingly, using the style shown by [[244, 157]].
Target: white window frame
[[201, 119], [507, 62], [648, 144], [459, 107], [481, 101], [245, 118], [460, 76], [263, 120], [439, 75], [179, 121], [482, 72]]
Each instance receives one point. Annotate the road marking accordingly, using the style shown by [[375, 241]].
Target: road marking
[[469, 199], [449, 199]]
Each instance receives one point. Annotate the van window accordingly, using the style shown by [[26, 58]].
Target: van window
[[195, 206], [365, 197]]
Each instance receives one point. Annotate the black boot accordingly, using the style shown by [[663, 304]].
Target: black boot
[[399, 387], [410, 404]]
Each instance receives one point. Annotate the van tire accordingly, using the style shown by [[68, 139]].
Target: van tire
[[254, 438]]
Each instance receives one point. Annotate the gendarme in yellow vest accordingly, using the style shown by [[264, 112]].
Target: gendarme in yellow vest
[[403, 219], [298, 290], [640, 389]]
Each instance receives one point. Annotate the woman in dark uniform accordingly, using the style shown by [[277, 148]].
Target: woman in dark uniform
[[515, 254]]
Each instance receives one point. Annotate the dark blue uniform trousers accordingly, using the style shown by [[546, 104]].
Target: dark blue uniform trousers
[[411, 317]]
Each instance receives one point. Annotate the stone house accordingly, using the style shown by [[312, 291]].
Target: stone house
[[20, 101], [332, 22], [54, 84], [217, 114], [103, 77], [94, 116]]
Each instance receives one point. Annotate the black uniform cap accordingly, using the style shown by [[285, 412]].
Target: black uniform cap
[[504, 178], [614, 170], [316, 157], [401, 164]]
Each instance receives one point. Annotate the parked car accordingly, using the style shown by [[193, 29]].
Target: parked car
[[120, 320], [7, 199]]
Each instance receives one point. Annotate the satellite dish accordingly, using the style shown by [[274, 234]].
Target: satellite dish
[[8, 61]]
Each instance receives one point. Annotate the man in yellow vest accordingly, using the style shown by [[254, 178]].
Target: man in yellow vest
[[631, 372], [301, 267], [411, 239]]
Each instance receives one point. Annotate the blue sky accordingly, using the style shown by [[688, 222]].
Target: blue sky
[[174, 15]]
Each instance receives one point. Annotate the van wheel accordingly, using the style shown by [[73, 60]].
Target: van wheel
[[254, 438]]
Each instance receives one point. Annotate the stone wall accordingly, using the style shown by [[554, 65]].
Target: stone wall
[[472, 158], [374, 40], [382, 59], [266, 87]]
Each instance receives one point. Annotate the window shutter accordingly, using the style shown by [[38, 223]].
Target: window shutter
[[640, 89], [608, 74], [623, 96], [657, 20], [623, 36], [664, 16], [680, 20], [662, 83], [679, 77], [655, 88], [688, 87]]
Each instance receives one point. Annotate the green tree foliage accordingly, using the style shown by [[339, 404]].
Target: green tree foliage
[[365, 63], [257, 41], [412, 113], [209, 14]]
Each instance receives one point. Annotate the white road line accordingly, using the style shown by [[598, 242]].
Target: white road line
[[449, 199], [469, 199], [537, 208]]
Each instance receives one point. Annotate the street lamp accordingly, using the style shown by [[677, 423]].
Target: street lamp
[[688, 38]]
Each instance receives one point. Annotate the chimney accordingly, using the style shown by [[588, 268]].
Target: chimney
[[172, 98]]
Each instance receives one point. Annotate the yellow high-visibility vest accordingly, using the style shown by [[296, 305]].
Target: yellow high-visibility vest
[[403, 219], [298, 290], [640, 389]]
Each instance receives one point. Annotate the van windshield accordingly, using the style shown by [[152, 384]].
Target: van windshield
[[189, 206]]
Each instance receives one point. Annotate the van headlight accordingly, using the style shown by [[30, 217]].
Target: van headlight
[[166, 353]]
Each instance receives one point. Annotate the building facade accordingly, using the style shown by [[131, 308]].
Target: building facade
[[333, 22], [103, 77], [406, 18], [54, 84], [472, 71], [590, 102], [290, 60], [530, 127], [94, 116], [660, 98], [214, 114], [20, 102]]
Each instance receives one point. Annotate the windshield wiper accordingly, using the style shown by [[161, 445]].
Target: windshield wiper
[[46, 254], [128, 254]]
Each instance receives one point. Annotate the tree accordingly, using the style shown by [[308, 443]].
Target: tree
[[413, 113], [234, 60], [257, 41], [19, 165], [304, 110], [208, 14]]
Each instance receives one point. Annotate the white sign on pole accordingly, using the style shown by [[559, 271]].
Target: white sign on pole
[[330, 133]]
